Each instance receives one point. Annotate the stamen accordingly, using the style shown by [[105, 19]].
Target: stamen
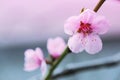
[[85, 28]]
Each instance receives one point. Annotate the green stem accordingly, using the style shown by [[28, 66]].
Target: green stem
[[97, 7], [56, 63]]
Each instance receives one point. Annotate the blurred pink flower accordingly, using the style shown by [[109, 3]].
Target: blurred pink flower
[[114, 0], [85, 29], [34, 60], [56, 46]]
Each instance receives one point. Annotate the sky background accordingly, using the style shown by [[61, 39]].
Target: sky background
[[27, 21]]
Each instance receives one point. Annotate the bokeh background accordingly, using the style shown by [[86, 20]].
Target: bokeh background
[[29, 23]]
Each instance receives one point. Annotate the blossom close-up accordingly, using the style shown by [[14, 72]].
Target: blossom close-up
[[34, 59], [56, 46], [85, 30]]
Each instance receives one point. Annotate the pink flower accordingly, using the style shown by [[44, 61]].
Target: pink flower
[[85, 29], [56, 46], [34, 60], [114, 0]]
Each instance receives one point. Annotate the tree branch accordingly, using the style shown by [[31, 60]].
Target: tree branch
[[89, 65], [100, 3]]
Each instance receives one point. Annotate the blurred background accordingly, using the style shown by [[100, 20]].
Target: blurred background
[[29, 23]]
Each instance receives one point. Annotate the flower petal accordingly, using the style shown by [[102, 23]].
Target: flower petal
[[39, 53], [76, 43], [87, 16], [28, 66], [100, 25], [43, 68], [29, 53], [93, 44], [31, 60], [56, 46], [71, 25]]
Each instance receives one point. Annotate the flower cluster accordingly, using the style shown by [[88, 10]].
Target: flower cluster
[[35, 58], [84, 30]]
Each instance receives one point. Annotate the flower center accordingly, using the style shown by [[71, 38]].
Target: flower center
[[85, 28]]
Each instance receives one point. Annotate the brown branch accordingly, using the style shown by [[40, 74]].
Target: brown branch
[[97, 7]]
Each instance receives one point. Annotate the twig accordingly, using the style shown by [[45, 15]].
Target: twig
[[99, 5], [56, 63], [93, 64]]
